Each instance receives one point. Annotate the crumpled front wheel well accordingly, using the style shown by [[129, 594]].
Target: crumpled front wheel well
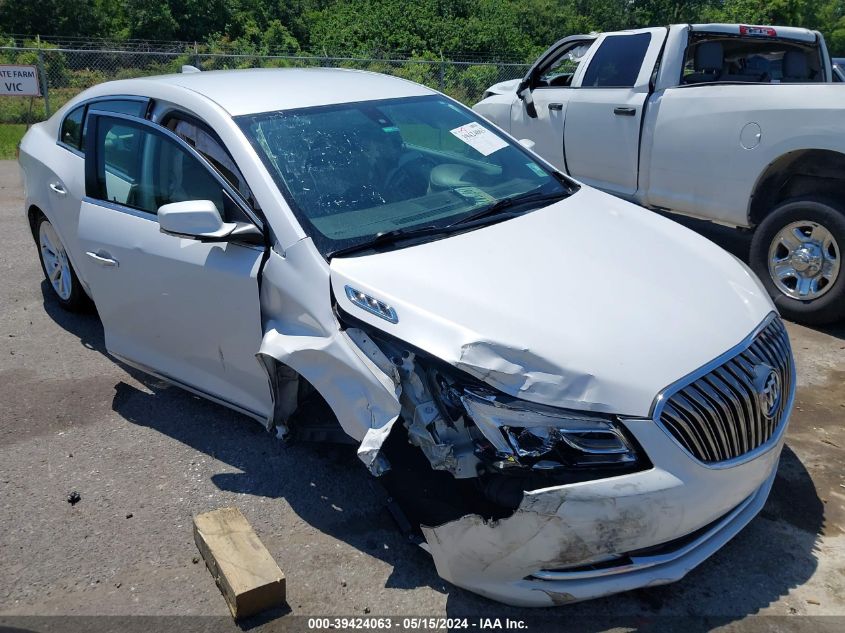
[[300, 411]]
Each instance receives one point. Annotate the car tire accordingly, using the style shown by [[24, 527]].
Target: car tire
[[797, 253], [58, 271]]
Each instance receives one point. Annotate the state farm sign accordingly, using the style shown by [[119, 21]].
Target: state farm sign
[[19, 81]]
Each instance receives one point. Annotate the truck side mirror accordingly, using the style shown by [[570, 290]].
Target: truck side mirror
[[524, 94]]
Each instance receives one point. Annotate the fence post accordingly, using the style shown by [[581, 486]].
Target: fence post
[[196, 56], [44, 82], [442, 79]]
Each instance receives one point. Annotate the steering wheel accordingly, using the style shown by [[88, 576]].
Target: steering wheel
[[409, 176]]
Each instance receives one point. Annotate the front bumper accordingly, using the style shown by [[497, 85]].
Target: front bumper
[[585, 540]]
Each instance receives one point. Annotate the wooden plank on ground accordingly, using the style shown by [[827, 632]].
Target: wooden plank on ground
[[247, 575]]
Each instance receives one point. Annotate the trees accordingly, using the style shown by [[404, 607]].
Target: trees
[[500, 28]]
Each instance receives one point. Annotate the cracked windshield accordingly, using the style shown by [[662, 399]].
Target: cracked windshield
[[355, 171]]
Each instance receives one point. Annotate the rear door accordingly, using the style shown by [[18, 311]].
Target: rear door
[[181, 308], [541, 113], [605, 113]]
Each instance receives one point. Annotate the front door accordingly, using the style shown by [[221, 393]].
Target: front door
[[541, 113], [181, 308]]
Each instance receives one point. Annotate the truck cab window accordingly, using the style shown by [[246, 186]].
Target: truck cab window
[[710, 58]]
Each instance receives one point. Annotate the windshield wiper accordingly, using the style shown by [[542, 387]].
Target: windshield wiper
[[397, 235], [509, 203], [389, 237]]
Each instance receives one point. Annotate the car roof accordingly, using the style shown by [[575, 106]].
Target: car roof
[[256, 90]]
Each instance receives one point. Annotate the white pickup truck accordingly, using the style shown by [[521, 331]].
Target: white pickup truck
[[740, 125]]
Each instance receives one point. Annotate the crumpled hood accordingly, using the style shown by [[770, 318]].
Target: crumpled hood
[[590, 303]]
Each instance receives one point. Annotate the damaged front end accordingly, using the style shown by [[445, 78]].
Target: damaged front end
[[467, 428], [515, 499], [535, 505]]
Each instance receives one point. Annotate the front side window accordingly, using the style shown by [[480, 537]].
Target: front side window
[[144, 170], [354, 171], [197, 136], [71, 134], [560, 71], [617, 62]]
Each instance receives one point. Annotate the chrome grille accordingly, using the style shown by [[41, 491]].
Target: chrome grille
[[732, 409]]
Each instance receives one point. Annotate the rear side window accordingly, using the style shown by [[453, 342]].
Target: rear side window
[[144, 170], [72, 128], [617, 62]]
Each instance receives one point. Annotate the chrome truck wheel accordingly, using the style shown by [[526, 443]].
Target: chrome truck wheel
[[797, 254], [804, 260]]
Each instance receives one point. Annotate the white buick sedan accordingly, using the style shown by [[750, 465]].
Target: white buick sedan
[[564, 414]]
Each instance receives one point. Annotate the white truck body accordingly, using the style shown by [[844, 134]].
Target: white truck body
[[724, 147]]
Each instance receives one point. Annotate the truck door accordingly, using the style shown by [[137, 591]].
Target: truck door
[[604, 116], [539, 113]]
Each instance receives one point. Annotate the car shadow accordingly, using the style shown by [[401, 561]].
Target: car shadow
[[738, 243], [771, 556]]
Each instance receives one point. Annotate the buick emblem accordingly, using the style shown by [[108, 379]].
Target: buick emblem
[[768, 388]]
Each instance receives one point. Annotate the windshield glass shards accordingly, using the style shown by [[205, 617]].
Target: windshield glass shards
[[356, 172]]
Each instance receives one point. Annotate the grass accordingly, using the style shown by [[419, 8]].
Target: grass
[[10, 136]]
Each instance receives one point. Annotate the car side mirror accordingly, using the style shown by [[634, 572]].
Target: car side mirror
[[201, 220]]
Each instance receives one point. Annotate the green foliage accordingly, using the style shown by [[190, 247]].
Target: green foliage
[[10, 136], [504, 28], [421, 33]]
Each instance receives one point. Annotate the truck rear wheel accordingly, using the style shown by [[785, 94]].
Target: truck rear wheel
[[797, 253]]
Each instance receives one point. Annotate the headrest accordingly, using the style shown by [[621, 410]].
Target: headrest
[[795, 65], [757, 64], [709, 56]]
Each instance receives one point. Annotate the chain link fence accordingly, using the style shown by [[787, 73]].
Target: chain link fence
[[65, 71]]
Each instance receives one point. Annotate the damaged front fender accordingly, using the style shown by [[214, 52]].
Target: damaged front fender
[[303, 335]]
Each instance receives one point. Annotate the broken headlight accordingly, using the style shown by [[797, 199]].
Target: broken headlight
[[523, 434]]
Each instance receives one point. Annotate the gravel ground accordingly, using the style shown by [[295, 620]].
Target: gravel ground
[[145, 457]]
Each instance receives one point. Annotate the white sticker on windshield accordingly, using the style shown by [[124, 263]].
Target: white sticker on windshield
[[479, 138]]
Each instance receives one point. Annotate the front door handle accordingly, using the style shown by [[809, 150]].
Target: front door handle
[[624, 111], [103, 260], [555, 106], [58, 188]]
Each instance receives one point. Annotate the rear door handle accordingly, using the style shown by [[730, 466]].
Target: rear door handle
[[555, 106], [58, 188], [624, 111], [103, 260]]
